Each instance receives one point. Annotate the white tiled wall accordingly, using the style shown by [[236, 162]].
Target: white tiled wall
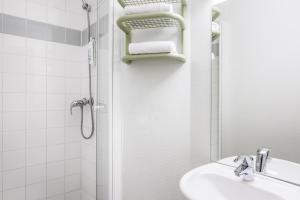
[[41, 142], [40, 147]]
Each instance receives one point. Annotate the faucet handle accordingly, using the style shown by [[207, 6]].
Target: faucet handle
[[245, 169], [76, 103]]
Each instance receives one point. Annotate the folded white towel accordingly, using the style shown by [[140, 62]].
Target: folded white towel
[[151, 7], [215, 27], [152, 47]]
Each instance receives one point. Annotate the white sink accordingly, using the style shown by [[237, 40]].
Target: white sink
[[218, 182]]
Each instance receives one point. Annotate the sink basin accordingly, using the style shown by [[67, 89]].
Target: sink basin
[[218, 182]]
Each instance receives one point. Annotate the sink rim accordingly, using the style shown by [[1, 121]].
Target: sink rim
[[285, 190]]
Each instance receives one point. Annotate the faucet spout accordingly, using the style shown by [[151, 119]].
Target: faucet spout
[[262, 156]]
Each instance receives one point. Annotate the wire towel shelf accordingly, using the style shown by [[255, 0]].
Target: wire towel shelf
[[130, 22]]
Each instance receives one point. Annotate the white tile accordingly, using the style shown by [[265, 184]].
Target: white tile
[[88, 169], [36, 156], [14, 102], [41, 2], [55, 153], [14, 63], [58, 197], [36, 65], [1, 161], [36, 12], [35, 174], [76, 69], [36, 84], [55, 119], [55, 170], [14, 159], [89, 186], [73, 150], [60, 4], [14, 83], [14, 121], [73, 134], [55, 102], [36, 191], [36, 138], [55, 136], [74, 195], [16, 194], [1, 183], [76, 54], [9, 7], [14, 44], [75, 21], [87, 196], [72, 183], [56, 16], [36, 48], [55, 50], [1, 118], [55, 85], [88, 152], [13, 142], [55, 67], [75, 6], [36, 120], [74, 119], [73, 85], [14, 179], [85, 86], [55, 187], [36, 102], [73, 166]]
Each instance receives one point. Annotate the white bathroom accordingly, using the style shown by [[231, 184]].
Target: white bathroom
[[149, 100]]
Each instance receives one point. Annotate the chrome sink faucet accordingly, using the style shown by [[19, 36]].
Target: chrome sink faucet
[[262, 156], [246, 169]]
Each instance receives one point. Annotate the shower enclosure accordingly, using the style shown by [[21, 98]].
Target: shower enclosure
[[45, 152]]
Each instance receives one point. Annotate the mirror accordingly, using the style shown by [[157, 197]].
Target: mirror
[[256, 80]]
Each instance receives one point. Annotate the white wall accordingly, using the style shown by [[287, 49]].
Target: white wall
[[200, 81], [165, 113], [260, 77]]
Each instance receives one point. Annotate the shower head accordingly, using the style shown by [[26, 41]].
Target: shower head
[[86, 6]]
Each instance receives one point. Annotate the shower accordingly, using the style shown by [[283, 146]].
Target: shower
[[91, 57]]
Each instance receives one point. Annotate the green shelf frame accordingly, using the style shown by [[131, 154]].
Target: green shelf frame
[[129, 58], [128, 23], [215, 13], [124, 3], [215, 36]]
